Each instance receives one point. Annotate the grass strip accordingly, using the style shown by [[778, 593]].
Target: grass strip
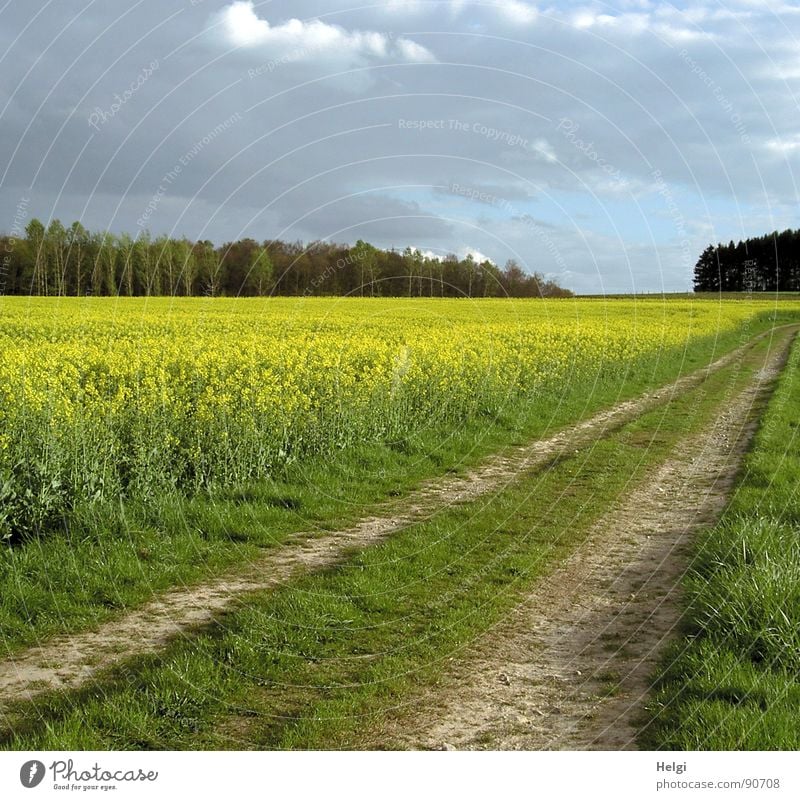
[[732, 682], [321, 662]]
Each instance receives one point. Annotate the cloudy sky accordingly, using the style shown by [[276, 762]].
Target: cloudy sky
[[604, 144]]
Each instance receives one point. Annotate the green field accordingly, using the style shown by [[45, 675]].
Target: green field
[[151, 445]]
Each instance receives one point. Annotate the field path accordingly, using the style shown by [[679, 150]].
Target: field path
[[68, 661], [570, 668]]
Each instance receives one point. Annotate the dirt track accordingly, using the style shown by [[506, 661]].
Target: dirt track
[[66, 662], [570, 668]]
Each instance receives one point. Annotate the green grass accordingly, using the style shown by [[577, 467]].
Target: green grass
[[733, 681], [322, 662], [114, 557]]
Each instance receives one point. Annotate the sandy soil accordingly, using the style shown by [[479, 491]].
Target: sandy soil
[[68, 661], [570, 668]]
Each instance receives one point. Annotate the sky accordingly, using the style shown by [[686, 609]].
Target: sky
[[602, 144]]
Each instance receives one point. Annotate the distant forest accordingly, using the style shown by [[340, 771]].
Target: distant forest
[[55, 260], [770, 263]]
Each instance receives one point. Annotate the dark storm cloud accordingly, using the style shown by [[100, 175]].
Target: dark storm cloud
[[631, 134]]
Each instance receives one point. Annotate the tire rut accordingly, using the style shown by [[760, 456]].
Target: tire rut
[[570, 668], [68, 661]]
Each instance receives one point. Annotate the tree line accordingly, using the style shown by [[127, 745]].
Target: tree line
[[55, 260], [769, 263]]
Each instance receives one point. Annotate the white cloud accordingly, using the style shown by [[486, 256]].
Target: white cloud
[[461, 252], [679, 34], [669, 27], [544, 150], [411, 51], [426, 254], [404, 6], [788, 70], [784, 146], [514, 11], [476, 255], [305, 40], [588, 19]]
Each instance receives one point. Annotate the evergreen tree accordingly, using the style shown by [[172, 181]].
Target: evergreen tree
[[769, 263]]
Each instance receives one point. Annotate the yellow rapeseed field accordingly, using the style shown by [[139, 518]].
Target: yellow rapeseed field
[[102, 397]]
